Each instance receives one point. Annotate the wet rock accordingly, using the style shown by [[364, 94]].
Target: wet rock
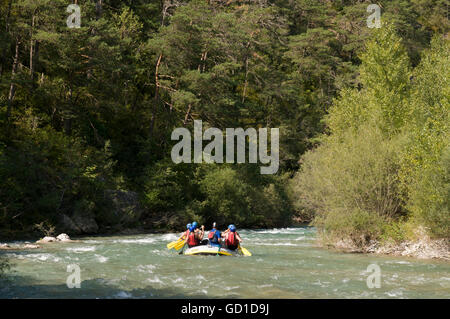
[[31, 246], [63, 237], [4, 246], [46, 239]]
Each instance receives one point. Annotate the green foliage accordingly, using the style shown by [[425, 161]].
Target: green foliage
[[356, 174], [399, 230], [430, 197], [384, 167], [45, 173], [45, 228], [425, 165], [243, 197], [84, 111], [359, 226], [168, 186], [217, 193]]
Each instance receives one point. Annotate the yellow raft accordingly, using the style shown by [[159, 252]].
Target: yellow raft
[[206, 250]]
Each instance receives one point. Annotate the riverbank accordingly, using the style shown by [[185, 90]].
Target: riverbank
[[423, 248]]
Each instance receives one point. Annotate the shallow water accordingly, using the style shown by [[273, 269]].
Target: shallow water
[[285, 264]]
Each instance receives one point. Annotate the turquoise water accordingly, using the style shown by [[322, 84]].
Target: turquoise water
[[286, 263]]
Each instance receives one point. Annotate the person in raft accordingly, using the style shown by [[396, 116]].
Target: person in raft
[[195, 235], [232, 238], [214, 236], [185, 233]]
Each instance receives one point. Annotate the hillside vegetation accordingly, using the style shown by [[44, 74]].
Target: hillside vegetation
[[86, 114]]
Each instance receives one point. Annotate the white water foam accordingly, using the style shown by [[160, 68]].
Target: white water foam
[[395, 293], [101, 258], [35, 257], [169, 237], [200, 277], [146, 268], [135, 241], [281, 231], [81, 249], [155, 280], [279, 244], [123, 294], [92, 241], [264, 286], [445, 282]]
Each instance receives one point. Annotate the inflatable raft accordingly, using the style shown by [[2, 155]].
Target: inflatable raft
[[210, 250]]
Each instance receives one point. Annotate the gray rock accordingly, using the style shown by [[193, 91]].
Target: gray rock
[[46, 239], [31, 246], [63, 237]]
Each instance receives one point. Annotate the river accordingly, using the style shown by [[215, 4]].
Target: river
[[286, 263]]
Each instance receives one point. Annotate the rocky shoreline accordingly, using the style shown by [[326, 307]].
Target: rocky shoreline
[[424, 248], [64, 238]]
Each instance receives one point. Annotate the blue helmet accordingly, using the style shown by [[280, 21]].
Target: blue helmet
[[195, 225], [188, 226], [191, 229], [232, 228]]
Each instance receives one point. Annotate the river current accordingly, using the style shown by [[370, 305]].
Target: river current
[[286, 263]]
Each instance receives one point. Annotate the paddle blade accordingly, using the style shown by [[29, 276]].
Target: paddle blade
[[173, 244], [179, 245], [245, 251]]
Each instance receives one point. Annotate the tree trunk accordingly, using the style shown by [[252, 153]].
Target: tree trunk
[[155, 104], [98, 8], [32, 47], [68, 121], [12, 88], [244, 91], [8, 14]]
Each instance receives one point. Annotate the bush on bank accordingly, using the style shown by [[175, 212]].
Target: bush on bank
[[383, 169]]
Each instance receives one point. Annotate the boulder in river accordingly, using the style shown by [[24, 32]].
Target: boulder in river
[[46, 239], [63, 237], [31, 246]]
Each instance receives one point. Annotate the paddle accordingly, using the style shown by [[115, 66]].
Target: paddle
[[174, 243], [180, 245], [244, 251], [182, 248]]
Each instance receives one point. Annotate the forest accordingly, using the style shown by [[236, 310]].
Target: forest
[[86, 115]]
